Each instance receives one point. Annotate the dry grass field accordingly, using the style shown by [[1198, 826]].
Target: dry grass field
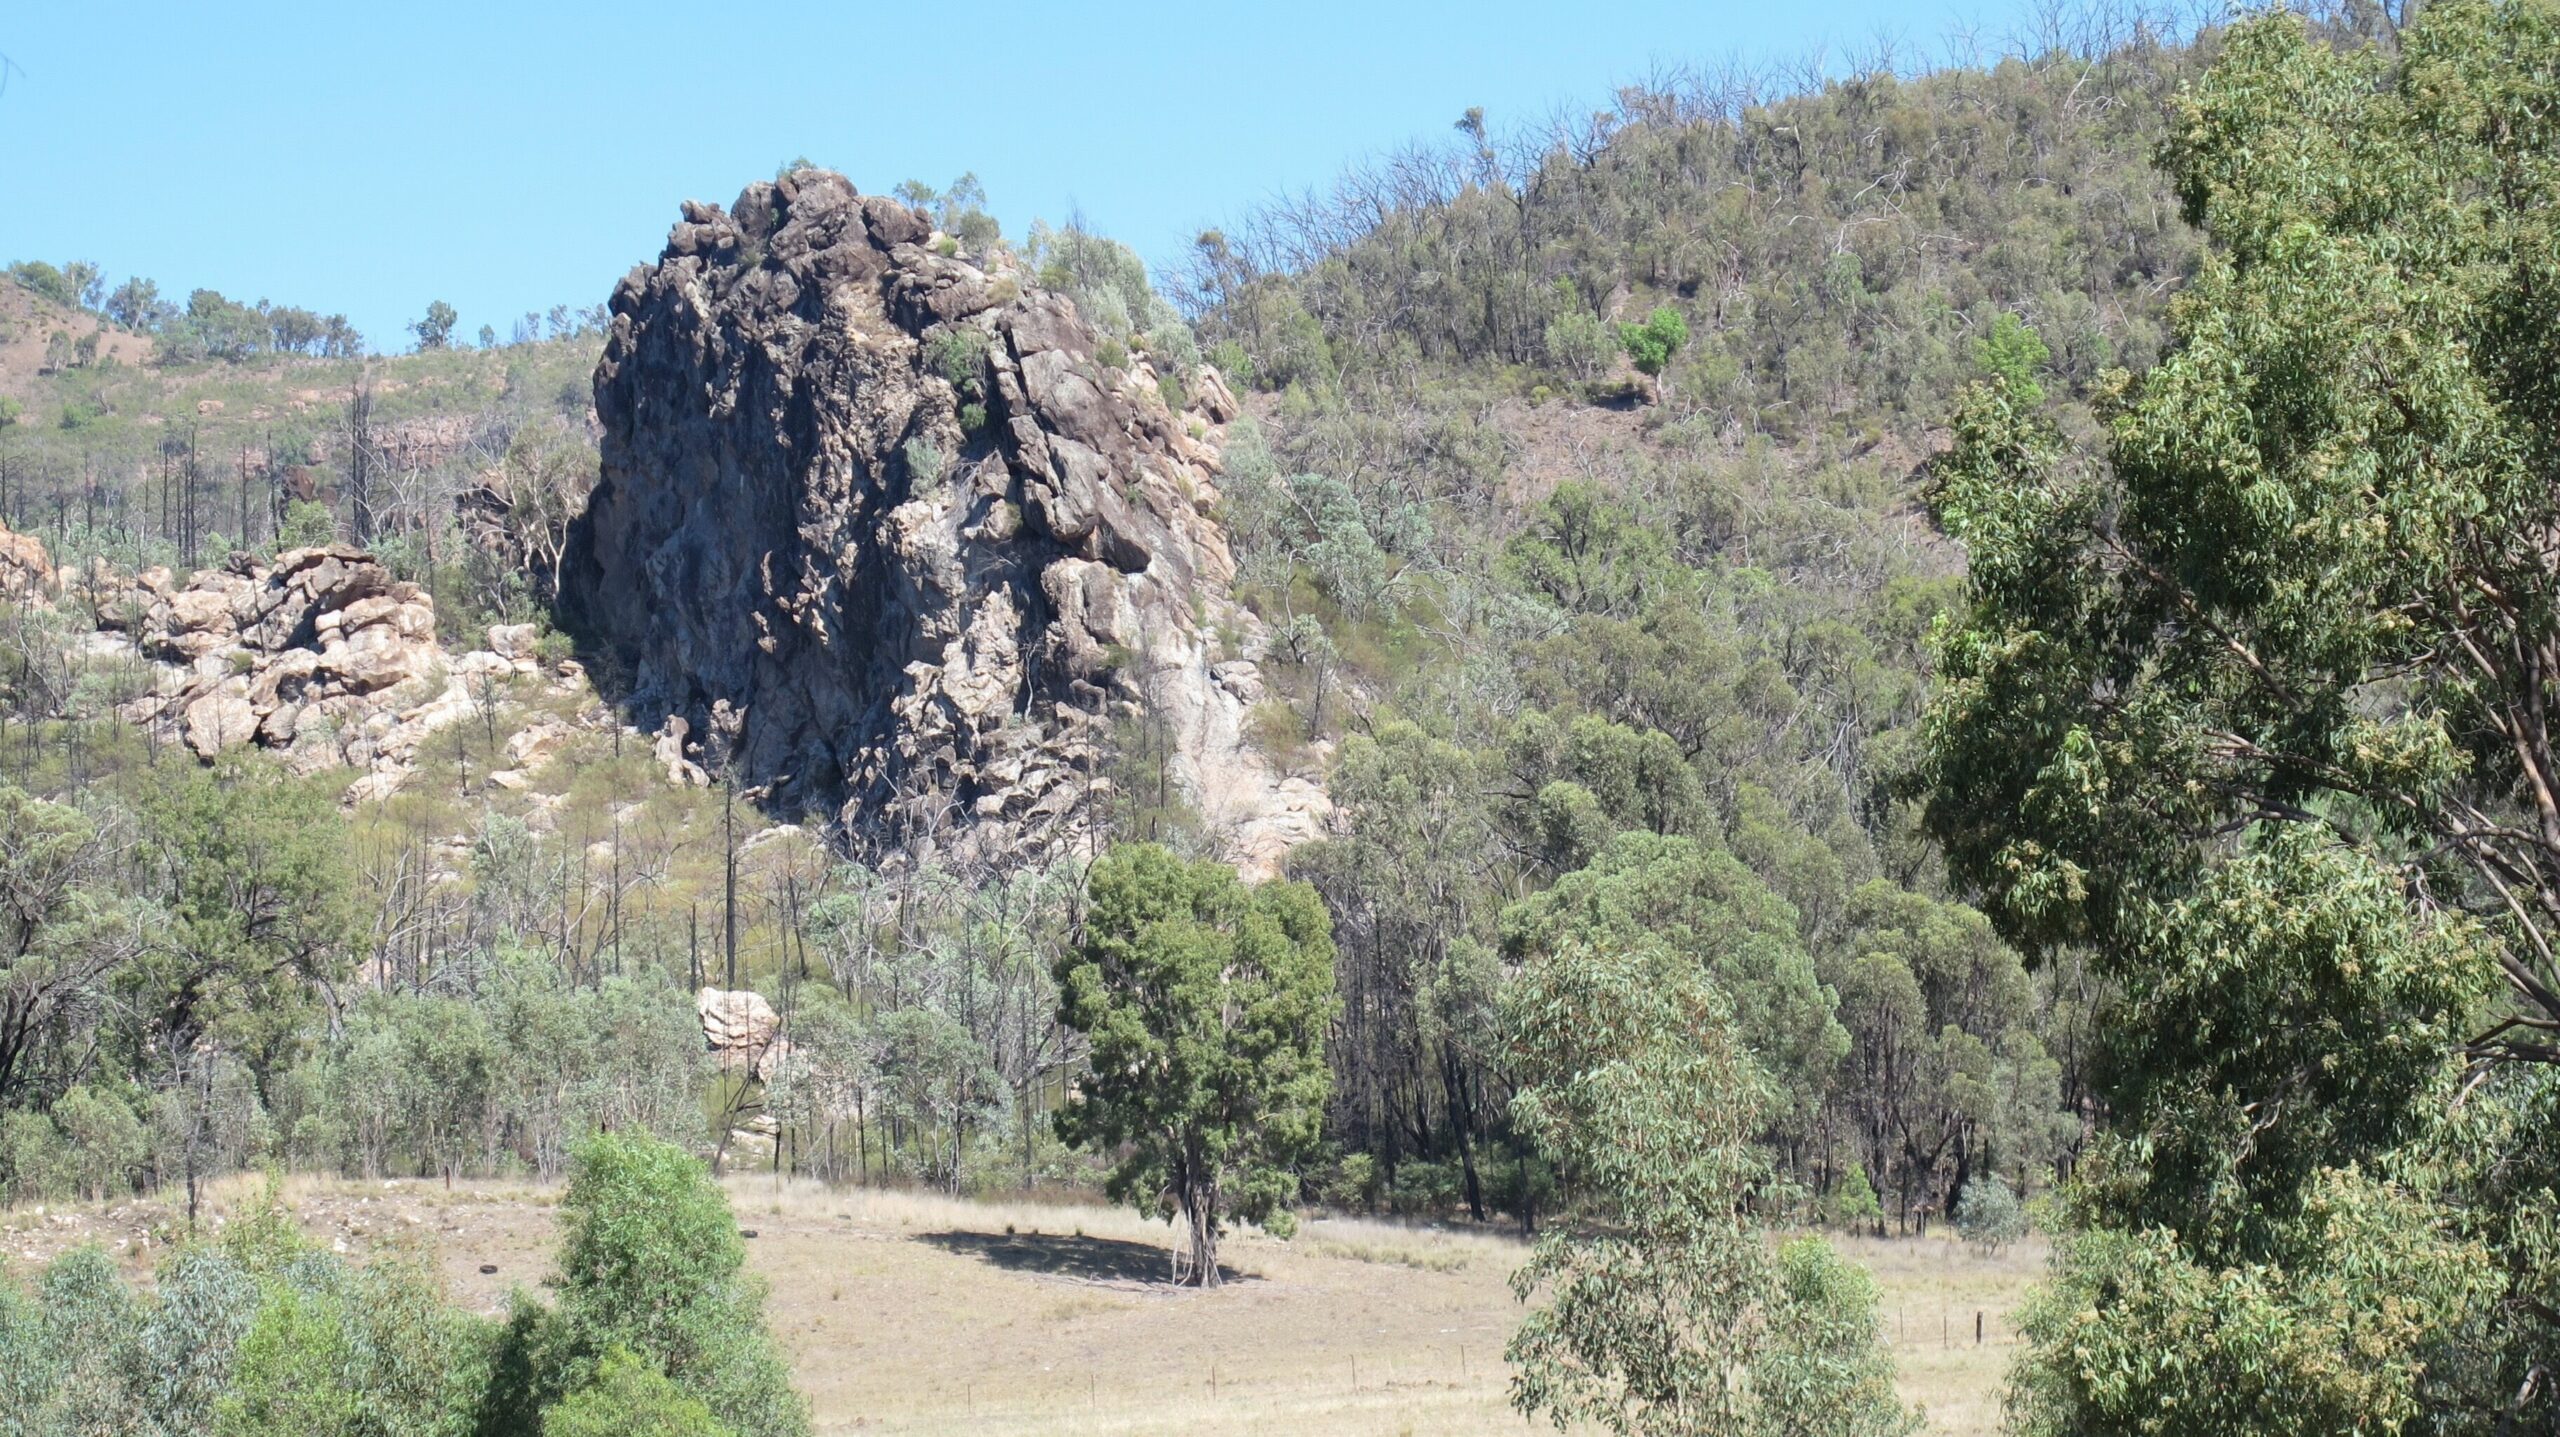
[[911, 1313]]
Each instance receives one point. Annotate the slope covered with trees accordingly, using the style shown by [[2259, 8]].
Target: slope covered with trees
[[1811, 736], [1587, 502]]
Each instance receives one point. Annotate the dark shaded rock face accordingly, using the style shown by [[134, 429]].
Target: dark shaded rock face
[[877, 512]]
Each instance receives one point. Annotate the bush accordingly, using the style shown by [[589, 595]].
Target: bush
[[651, 1263], [1652, 343], [1988, 1213], [1855, 1204], [307, 525], [630, 1398], [1230, 359], [1578, 344], [959, 355]]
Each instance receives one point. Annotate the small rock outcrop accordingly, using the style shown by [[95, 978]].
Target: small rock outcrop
[[306, 653], [881, 531]]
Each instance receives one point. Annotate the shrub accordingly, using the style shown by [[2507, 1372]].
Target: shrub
[[924, 463], [959, 355], [1988, 1213], [1578, 344], [1112, 355], [651, 1262], [630, 1398], [306, 525], [1230, 359], [1855, 1204]]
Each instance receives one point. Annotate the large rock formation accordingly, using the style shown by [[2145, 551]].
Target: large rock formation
[[881, 529]]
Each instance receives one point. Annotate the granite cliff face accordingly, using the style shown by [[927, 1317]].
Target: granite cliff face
[[878, 526]]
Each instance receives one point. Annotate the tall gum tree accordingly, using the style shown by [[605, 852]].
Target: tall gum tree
[[2253, 705]]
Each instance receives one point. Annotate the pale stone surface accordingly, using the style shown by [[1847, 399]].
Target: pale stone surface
[[742, 1030]]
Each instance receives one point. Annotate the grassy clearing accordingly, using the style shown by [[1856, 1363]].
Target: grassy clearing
[[914, 1313]]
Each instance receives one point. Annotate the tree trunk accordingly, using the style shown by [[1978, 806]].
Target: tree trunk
[[1200, 1219]]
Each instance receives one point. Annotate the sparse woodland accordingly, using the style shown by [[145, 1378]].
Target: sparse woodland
[[1923, 645]]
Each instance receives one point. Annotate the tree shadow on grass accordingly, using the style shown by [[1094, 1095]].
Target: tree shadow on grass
[[1085, 1259]]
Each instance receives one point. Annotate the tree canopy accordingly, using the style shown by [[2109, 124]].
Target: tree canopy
[[2250, 703], [1206, 1001]]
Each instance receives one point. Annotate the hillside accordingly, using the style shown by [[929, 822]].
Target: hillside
[[1535, 618], [1678, 703]]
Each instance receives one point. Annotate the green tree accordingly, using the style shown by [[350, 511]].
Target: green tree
[[651, 1262], [2013, 356], [1988, 1212], [630, 1398], [262, 901], [1856, 1203], [2250, 704], [1653, 343], [1665, 1312], [435, 330], [136, 304], [66, 933], [1206, 1002], [344, 1351], [1681, 898]]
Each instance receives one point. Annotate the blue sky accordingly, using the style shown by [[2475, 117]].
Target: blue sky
[[367, 158]]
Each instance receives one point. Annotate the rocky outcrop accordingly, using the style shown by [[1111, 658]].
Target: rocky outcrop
[[742, 1031], [880, 530], [304, 654], [26, 570]]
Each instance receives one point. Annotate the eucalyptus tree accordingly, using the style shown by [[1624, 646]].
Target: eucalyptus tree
[[2251, 704]]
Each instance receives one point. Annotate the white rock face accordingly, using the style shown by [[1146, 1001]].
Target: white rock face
[[742, 1030]]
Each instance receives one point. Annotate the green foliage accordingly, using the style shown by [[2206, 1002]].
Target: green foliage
[[2013, 355], [45, 281], [651, 1262], [261, 1333], [1653, 343], [959, 354], [2321, 1343], [1111, 291], [1665, 1311], [1591, 555], [2227, 709], [1672, 895], [347, 1352], [262, 903], [630, 1398], [1206, 1003], [925, 462], [1855, 1204], [1989, 1214], [435, 329], [1577, 342]]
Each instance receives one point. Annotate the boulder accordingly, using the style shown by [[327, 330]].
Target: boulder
[[742, 1030]]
